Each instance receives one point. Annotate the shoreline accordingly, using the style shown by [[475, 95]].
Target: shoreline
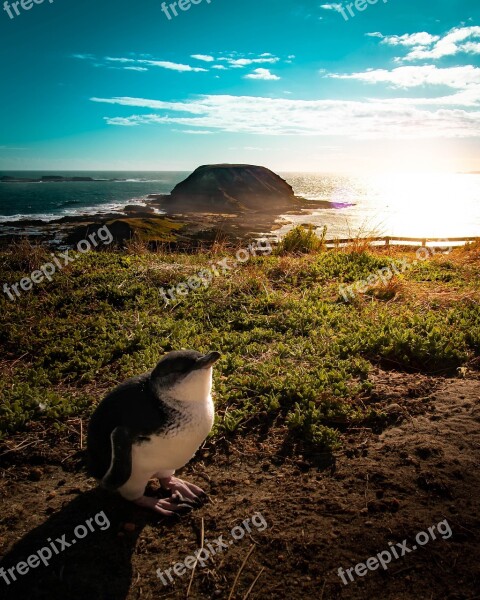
[[192, 227]]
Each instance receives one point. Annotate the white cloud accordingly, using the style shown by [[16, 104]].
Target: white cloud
[[165, 64], [245, 62], [467, 98], [424, 46], [408, 77], [388, 119], [143, 103], [232, 60], [120, 60], [331, 6], [263, 74], [84, 56], [136, 62], [204, 57], [471, 47], [195, 131], [235, 60], [410, 39]]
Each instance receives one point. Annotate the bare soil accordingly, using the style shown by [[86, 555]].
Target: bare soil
[[322, 512]]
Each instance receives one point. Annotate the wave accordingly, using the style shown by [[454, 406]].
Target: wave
[[139, 181], [98, 209], [93, 180], [29, 217], [68, 202]]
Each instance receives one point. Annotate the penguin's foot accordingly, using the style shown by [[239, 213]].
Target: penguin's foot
[[182, 491], [164, 506]]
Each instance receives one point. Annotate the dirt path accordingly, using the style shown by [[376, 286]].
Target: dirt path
[[383, 487]]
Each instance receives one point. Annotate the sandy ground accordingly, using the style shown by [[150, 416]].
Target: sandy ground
[[318, 512]]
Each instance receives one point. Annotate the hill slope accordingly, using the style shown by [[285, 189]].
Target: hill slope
[[232, 188]]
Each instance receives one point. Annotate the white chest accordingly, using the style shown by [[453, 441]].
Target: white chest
[[174, 448]]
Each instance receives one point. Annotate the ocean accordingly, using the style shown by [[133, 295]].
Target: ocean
[[411, 205]]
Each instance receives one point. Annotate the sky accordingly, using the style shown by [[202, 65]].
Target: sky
[[297, 85]]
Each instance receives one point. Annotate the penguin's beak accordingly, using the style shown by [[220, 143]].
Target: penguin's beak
[[208, 360]]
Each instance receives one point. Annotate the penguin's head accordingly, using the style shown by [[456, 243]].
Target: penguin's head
[[185, 375]]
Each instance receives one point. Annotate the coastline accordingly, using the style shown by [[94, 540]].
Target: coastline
[[346, 205], [190, 227]]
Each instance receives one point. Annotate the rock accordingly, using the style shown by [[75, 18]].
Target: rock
[[231, 188], [138, 209], [35, 474], [44, 179]]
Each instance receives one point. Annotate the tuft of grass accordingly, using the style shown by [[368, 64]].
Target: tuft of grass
[[24, 256], [361, 239], [387, 291], [302, 239]]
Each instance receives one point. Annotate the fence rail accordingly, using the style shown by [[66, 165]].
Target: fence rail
[[388, 239]]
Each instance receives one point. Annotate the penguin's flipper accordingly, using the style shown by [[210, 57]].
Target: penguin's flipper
[[121, 464]]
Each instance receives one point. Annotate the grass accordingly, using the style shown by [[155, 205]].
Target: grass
[[151, 230], [294, 355], [302, 239]]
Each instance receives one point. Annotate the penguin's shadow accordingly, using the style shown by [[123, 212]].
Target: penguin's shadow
[[98, 566]]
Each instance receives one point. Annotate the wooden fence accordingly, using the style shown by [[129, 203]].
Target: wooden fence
[[439, 242]]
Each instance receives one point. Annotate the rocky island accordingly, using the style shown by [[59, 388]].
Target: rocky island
[[51, 179], [230, 188], [234, 200]]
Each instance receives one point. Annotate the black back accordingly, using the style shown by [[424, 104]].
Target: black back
[[133, 406]]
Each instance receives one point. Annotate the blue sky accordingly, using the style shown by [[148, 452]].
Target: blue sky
[[289, 85]]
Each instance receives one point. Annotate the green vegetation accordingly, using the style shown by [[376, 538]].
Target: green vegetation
[[152, 230], [294, 354], [302, 239]]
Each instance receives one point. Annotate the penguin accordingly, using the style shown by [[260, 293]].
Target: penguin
[[151, 426]]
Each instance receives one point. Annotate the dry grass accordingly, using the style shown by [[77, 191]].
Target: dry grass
[[362, 239], [25, 256], [393, 289], [470, 253], [137, 246]]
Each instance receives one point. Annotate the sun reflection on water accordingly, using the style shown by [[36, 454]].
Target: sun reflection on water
[[411, 205], [428, 205]]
